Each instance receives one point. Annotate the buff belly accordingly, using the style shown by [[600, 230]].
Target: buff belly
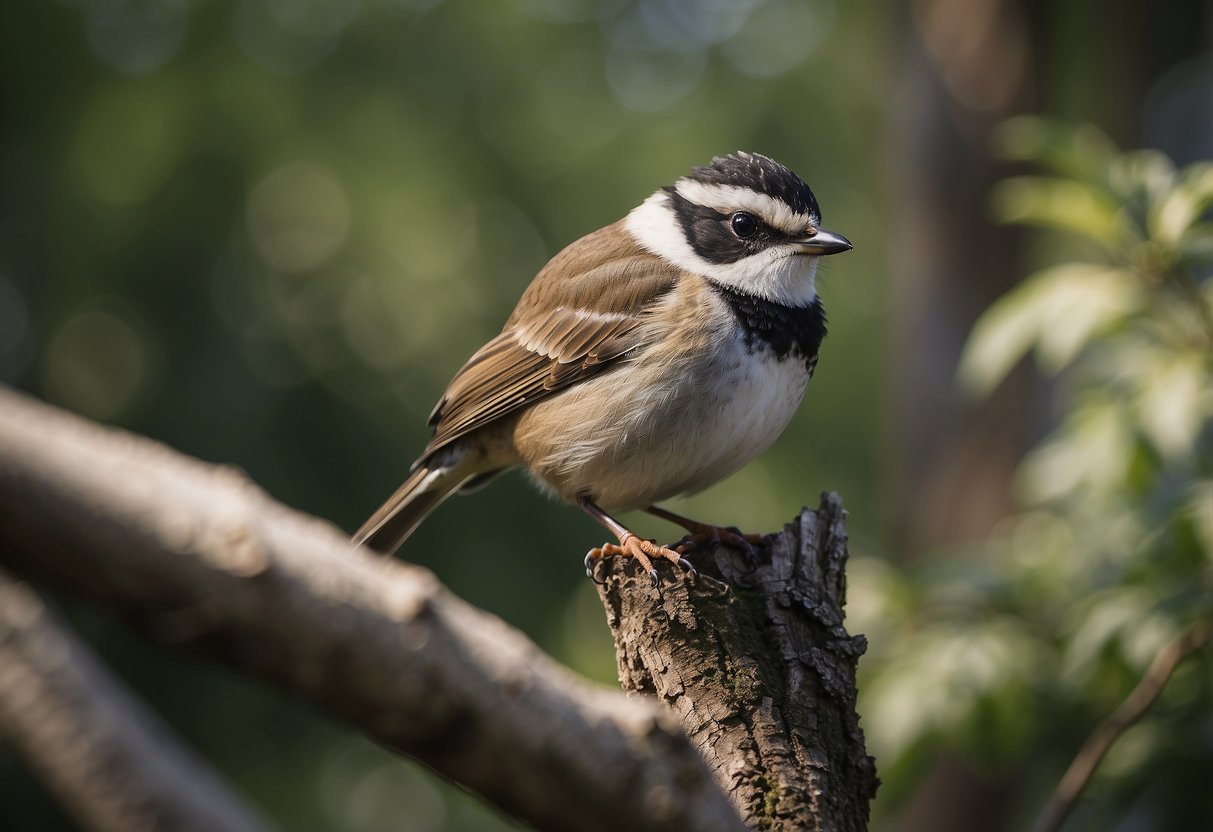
[[652, 428]]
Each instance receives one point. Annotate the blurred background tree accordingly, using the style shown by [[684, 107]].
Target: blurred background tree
[[267, 232], [1010, 653]]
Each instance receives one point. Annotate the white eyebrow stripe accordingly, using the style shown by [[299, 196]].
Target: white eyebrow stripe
[[729, 198]]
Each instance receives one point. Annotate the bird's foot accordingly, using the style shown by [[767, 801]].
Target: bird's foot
[[644, 551], [706, 536]]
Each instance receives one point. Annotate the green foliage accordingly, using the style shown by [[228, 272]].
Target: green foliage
[[1013, 654], [1149, 228]]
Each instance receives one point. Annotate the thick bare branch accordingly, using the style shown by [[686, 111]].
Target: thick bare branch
[[111, 761], [196, 555], [756, 663]]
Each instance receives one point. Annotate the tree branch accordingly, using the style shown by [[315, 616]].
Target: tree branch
[[111, 761], [1083, 767], [756, 663], [196, 555]]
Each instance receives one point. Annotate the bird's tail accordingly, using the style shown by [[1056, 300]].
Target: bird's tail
[[395, 520]]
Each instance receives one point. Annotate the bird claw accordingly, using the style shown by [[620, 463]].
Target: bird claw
[[644, 551], [688, 567], [592, 559]]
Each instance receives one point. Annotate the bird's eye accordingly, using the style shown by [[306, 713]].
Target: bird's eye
[[744, 225]]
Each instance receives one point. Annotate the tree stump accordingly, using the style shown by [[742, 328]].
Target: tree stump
[[754, 660]]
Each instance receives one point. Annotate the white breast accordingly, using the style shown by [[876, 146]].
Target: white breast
[[753, 399], [668, 428]]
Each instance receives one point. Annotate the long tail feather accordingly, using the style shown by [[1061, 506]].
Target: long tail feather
[[395, 520]]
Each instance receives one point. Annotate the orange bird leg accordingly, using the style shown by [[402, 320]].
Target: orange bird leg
[[705, 534], [630, 546]]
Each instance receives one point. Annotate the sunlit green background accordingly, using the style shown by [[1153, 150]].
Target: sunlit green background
[[267, 232]]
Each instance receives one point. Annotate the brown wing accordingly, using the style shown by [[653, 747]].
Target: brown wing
[[580, 315]]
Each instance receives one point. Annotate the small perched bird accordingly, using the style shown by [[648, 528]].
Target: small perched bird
[[653, 357]]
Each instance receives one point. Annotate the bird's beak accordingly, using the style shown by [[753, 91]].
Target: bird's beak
[[821, 241]]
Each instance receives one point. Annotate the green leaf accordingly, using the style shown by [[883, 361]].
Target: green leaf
[[1198, 177], [1098, 625], [1001, 336], [1082, 152], [1178, 210], [945, 677], [1175, 401], [1143, 176], [1092, 453], [1197, 243], [1057, 312], [1063, 204], [1173, 215]]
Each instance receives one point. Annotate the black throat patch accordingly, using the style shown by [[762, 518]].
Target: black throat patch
[[787, 331]]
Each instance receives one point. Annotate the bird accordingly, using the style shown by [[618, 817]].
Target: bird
[[653, 357]]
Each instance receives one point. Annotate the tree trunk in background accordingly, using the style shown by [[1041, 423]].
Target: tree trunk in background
[[966, 67], [948, 263]]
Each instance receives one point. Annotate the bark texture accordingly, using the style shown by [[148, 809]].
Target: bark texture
[[196, 556], [111, 761], [756, 663]]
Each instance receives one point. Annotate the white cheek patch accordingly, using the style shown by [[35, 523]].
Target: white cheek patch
[[779, 274], [654, 225], [729, 198]]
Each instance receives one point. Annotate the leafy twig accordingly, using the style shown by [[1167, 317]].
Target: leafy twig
[[1065, 797]]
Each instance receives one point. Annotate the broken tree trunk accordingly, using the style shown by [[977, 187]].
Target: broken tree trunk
[[754, 660]]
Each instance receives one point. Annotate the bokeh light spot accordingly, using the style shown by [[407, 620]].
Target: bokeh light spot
[[129, 140], [780, 35], [97, 361], [298, 216], [136, 36], [652, 80], [288, 37], [362, 791]]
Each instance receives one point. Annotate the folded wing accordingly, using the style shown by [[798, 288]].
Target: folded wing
[[582, 315]]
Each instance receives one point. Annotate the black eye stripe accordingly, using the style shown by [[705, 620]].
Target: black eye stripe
[[764, 231], [710, 233]]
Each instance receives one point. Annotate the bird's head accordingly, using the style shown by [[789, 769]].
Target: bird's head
[[744, 221]]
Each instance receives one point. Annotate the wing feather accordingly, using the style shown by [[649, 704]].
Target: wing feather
[[581, 315]]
